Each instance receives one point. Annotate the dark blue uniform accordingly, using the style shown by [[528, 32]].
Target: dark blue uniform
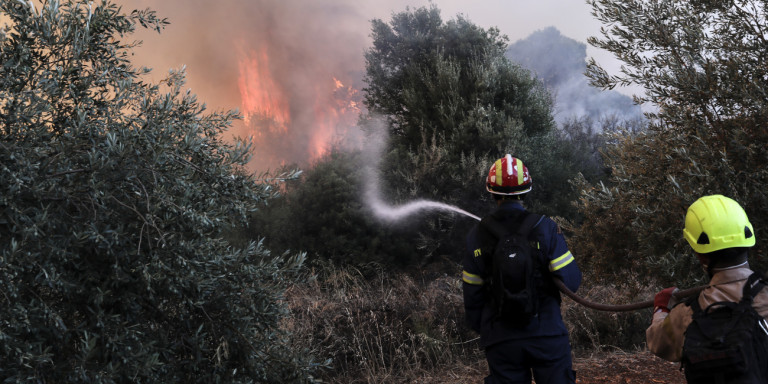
[[542, 346]]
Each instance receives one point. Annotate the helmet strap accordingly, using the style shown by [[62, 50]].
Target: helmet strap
[[710, 269], [706, 263]]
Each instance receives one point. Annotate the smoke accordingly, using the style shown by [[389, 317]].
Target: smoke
[[312, 46], [560, 62], [314, 62]]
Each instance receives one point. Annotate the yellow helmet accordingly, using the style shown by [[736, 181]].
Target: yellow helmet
[[717, 222]]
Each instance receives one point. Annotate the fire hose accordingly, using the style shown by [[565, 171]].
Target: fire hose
[[679, 295], [621, 307]]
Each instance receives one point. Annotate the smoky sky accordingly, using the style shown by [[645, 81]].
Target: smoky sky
[[304, 39], [560, 62], [310, 43]]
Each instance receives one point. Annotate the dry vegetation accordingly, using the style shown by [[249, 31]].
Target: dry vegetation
[[383, 327], [377, 327]]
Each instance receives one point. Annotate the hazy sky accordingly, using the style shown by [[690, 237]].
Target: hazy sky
[[309, 45], [200, 28], [298, 52]]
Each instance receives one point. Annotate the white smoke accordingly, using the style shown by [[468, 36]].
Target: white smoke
[[560, 62]]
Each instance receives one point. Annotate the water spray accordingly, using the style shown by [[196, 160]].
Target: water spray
[[375, 145], [390, 213]]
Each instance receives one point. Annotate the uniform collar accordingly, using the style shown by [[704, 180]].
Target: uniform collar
[[508, 209], [721, 276], [511, 206]]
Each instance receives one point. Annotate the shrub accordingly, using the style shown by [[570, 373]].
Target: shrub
[[114, 201]]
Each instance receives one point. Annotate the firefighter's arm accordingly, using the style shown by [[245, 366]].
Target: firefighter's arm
[[562, 264], [666, 334], [473, 304], [472, 284]]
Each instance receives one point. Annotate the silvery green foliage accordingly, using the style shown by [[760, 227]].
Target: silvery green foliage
[[455, 104], [702, 64], [115, 196]]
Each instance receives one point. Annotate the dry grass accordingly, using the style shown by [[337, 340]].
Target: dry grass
[[379, 327], [599, 331], [383, 327]]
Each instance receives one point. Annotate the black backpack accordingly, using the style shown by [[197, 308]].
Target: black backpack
[[727, 342], [516, 278]]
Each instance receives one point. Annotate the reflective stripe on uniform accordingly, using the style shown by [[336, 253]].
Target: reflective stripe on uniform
[[471, 278], [560, 262]]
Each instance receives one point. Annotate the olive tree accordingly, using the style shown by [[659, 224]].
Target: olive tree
[[116, 196], [702, 65], [454, 104]]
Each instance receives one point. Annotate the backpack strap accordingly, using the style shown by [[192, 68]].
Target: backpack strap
[[755, 283], [524, 227], [693, 302], [530, 222]]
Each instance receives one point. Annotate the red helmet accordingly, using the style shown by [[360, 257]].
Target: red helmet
[[508, 176]]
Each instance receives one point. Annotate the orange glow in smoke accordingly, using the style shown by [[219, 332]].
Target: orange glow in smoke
[[305, 123]]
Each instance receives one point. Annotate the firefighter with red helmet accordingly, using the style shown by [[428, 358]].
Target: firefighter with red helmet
[[540, 348]]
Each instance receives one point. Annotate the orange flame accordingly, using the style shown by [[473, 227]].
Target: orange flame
[[261, 96], [334, 118], [324, 112]]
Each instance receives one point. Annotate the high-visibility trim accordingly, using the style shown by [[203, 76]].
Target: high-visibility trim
[[478, 252], [520, 172], [470, 278], [764, 326], [561, 261], [499, 173]]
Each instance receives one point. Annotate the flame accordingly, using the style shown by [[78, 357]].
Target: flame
[[304, 122], [334, 118], [262, 97]]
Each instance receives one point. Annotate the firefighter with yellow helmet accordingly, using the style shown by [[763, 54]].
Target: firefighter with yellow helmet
[[719, 232]]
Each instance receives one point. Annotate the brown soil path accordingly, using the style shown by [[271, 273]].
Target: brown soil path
[[627, 368], [605, 368]]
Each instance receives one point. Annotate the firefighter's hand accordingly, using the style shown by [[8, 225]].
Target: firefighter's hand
[[665, 300]]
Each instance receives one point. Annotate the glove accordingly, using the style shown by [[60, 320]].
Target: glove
[[665, 300]]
